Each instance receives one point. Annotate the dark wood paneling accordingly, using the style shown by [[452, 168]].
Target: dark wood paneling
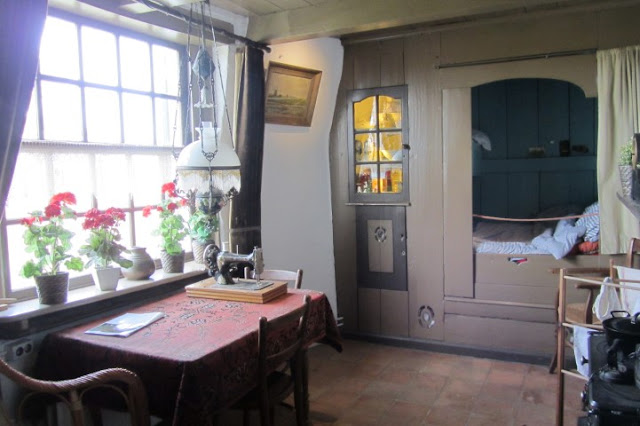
[[394, 319], [492, 117], [557, 188], [392, 62], [521, 186], [495, 194], [366, 66], [582, 121], [522, 117], [553, 114]]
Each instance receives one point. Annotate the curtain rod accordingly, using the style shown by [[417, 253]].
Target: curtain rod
[[517, 58], [172, 12]]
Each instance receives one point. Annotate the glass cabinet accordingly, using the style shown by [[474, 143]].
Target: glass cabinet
[[378, 145]]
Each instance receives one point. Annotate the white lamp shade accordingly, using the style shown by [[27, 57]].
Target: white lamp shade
[[193, 167]]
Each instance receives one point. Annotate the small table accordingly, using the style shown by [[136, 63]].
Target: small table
[[199, 359]]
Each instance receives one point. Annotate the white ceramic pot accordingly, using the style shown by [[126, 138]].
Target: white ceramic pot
[[106, 279]]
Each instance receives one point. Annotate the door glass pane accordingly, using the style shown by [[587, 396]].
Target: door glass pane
[[391, 178], [59, 49], [366, 147], [166, 70], [168, 123], [103, 116], [364, 114], [367, 178], [61, 112], [135, 64], [390, 113], [391, 146], [99, 61], [138, 119]]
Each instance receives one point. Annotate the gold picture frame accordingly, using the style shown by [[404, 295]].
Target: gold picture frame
[[291, 94]]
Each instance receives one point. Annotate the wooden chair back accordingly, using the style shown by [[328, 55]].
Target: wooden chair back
[[278, 275], [288, 351], [633, 253], [71, 391]]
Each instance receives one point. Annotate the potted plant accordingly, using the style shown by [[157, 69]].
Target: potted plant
[[47, 240], [172, 229], [203, 226], [625, 167], [102, 248]]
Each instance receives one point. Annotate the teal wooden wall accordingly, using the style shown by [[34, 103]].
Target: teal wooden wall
[[524, 114]]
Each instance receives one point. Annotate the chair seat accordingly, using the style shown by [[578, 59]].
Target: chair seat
[[280, 386], [575, 313]]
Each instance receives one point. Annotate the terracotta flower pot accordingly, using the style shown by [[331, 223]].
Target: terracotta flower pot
[[52, 289], [172, 263], [106, 279]]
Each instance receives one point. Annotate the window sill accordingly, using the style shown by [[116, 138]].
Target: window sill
[[29, 316]]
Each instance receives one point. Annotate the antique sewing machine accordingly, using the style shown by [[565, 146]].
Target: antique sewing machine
[[220, 263]]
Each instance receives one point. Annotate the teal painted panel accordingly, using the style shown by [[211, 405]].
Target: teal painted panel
[[573, 163], [495, 199], [474, 107], [492, 117], [523, 195], [575, 187], [553, 114], [522, 117], [582, 121]]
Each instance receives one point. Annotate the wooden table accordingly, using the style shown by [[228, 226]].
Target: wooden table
[[199, 359]]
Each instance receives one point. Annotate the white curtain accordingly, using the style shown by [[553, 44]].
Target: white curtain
[[618, 119]]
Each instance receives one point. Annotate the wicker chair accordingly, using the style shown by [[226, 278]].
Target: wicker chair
[[71, 392]]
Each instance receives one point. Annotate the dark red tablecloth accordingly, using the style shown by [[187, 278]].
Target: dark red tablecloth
[[198, 359]]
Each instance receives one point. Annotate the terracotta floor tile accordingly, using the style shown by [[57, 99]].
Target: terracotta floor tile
[[484, 420], [444, 416]]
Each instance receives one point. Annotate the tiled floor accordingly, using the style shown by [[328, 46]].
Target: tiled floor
[[370, 384]]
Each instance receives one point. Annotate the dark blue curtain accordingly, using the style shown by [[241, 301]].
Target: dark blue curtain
[[21, 24], [245, 230]]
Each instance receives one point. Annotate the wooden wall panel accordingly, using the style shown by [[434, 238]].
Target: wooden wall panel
[[424, 215], [392, 62], [582, 110], [503, 311], [540, 295], [530, 337], [369, 310], [522, 189], [492, 117], [366, 66], [495, 194], [456, 133], [557, 188], [553, 114], [394, 313]]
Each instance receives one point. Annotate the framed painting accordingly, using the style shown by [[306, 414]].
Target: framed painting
[[291, 94]]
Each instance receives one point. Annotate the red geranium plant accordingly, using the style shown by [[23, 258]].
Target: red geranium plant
[[172, 228], [103, 247], [47, 239]]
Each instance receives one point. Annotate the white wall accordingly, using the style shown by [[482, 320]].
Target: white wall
[[296, 189]]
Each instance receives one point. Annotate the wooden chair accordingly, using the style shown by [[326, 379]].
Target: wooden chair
[[582, 312], [274, 386], [278, 275], [71, 392]]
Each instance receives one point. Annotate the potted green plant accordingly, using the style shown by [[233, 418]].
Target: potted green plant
[[49, 243], [203, 226], [625, 167], [172, 229], [103, 248]]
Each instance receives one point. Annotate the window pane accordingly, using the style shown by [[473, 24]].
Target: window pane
[[59, 49], [135, 64], [144, 233], [103, 115], [113, 180], [17, 257], [366, 147], [61, 112], [138, 119], [149, 172], [168, 123], [31, 125], [31, 187], [391, 146], [367, 178], [74, 173], [364, 114], [390, 113], [99, 58], [166, 70]]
